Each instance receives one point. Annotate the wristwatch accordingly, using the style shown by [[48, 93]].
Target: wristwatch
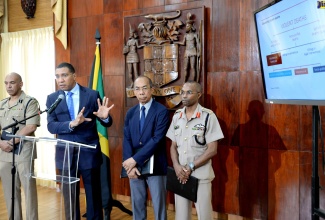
[[192, 166]]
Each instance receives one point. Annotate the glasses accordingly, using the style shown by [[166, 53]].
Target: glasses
[[144, 89], [63, 75], [187, 92]]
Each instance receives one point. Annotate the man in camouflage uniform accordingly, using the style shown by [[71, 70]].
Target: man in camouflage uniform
[[17, 107], [194, 132]]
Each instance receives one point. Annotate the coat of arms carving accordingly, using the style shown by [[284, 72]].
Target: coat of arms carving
[[162, 50]]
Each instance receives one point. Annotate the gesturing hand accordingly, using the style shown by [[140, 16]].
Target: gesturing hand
[[103, 109], [79, 119]]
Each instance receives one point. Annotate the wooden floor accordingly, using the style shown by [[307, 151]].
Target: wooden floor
[[49, 201]]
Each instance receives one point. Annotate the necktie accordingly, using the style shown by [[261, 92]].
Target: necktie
[[70, 105], [143, 117]]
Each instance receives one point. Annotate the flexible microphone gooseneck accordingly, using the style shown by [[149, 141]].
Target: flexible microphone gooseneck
[[55, 104]]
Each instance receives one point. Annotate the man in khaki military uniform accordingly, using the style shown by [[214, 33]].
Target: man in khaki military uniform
[[194, 132], [18, 106]]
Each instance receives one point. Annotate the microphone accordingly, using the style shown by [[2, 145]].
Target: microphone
[[55, 104]]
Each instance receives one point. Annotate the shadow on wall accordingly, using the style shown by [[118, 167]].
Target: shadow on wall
[[258, 156], [220, 166]]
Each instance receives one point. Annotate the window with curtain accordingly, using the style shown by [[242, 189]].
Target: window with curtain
[[31, 54]]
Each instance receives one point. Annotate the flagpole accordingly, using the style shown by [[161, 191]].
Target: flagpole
[[107, 200]]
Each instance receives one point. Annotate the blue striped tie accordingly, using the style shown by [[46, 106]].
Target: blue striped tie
[[143, 117], [70, 105]]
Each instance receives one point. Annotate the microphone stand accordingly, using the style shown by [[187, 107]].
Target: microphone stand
[[13, 168]]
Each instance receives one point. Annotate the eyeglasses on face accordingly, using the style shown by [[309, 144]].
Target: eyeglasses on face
[[63, 75], [144, 89], [189, 92]]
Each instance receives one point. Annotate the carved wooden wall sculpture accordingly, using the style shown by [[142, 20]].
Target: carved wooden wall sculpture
[[168, 48]]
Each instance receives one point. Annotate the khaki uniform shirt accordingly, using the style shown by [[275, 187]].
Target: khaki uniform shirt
[[17, 112], [183, 132]]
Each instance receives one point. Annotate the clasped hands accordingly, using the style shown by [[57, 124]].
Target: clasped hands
[[183, 173], [131, 169], [6, 146], [102, 113]]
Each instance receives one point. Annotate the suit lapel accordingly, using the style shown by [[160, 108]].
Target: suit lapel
[[150, 114], [135, 121], [83, 97], [63, 105], [136, 118]]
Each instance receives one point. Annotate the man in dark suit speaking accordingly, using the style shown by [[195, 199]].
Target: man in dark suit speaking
[[145, 128], [74, 119]]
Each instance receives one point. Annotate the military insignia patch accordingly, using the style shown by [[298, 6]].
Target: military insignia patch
[[199, 127]]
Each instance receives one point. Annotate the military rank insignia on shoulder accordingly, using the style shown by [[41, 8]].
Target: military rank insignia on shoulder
[[5, 99], [29, 97], [207, 110], [178, 111]]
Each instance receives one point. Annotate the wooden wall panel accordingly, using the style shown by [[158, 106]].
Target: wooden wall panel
[[208, 35], [130, 5], [113, 44], [183, 6], [174, 2], [112, 6], [78, 36], [283, 185], [61, 54], [84, 8], [248, 47], [151, 3], [225, 42], [305, 125], [305, 174], [94, 23], [288, 116], [225, 184], [223, 98], [321, 174], [17, 20], [119, 186], [113, 89], [251, 88]]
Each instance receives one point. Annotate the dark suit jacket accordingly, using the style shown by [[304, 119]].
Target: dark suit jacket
[[86, 133], [151, 140]]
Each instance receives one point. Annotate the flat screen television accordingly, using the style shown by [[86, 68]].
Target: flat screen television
[[291, 40]]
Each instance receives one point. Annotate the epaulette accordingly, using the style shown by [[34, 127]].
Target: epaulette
[[26, 100], [207, 110], [25, 103], [177, 111], [4, 99]]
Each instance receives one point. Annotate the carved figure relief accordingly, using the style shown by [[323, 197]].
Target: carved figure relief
[[132, 58], [159, 59], [192, 56]]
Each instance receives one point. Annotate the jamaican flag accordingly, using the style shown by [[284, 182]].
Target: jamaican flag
[[96, 83]]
